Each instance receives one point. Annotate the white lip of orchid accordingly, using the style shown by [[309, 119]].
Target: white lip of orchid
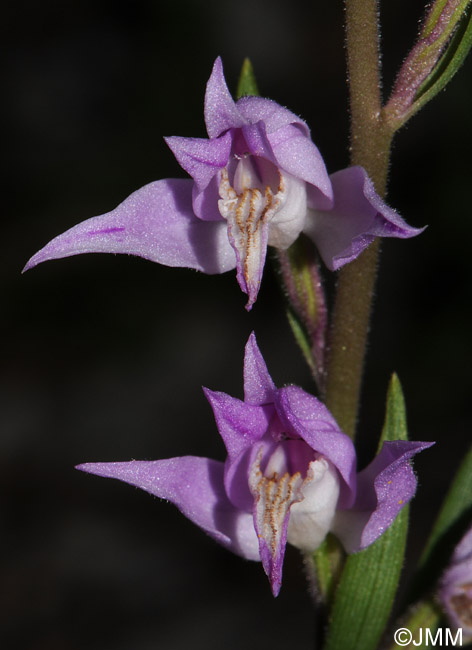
[[312, 501], [263, 206], [312, 516]]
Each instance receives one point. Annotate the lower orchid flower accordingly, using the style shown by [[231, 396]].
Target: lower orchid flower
[[258, 180], [455, 593], [290, 475]]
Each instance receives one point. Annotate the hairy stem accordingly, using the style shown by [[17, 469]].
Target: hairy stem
[[370, 147]]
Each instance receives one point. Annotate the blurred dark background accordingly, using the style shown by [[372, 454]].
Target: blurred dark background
[[103, 357]]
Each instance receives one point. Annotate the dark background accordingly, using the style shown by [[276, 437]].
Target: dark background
[[102, 357]]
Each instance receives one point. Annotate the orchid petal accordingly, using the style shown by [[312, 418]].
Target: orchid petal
[[384, 487], [256, 141], [221, 112], [274, 116], [357, 217], [195, 486], [299, 156], [308, 418], [240, 425], [258, 385], [201, 158], [157, 223], [288, 145], [463, 550]]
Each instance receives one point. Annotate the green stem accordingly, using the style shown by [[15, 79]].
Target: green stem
[[371, 139]]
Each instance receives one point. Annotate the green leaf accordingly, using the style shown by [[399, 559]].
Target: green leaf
[[395, 417], [247, 81], [301, 337], [369, 581], [454, 519]]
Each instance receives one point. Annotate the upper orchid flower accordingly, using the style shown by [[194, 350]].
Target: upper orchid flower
[[290, 475], [258, 180]]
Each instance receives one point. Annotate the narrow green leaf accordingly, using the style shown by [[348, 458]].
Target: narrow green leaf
[[394, 427], [247, 81], [369, 581], [301, 337], [367, 589], [452, 522]]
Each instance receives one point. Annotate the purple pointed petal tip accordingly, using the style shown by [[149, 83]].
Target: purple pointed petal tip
[[395, 485], [273, 567], [258, 385], [384, 488], [357, 217], [157, 223], [388, 222], [221, 112], [384, 221], [195, 485]]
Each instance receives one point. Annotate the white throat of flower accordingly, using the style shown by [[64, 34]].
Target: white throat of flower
[[263, 206], [310, 503]]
